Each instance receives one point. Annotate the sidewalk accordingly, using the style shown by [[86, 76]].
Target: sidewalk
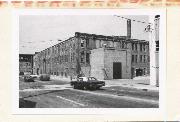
[[131, 83], [54, 77]]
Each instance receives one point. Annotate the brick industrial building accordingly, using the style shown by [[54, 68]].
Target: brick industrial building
[[26, 63], [104, 57]]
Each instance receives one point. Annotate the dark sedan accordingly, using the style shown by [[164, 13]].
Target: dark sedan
[[87, 83]]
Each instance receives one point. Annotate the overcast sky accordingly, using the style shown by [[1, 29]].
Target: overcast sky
[[36, 31]]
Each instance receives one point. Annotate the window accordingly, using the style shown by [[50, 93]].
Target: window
[[100, 44], [144, 71], [82, 43], [65, 56], [74, 46], [87, 58], [157, 45], [72, 56], [59, 60], [141, 47], [132, 58], [148, 58], [141, 58], [49, 51], [135, 46], [136, 58], [144, 58], [144, 47], [53, 49], [147, 48], [123, 44], [132, 46], [82, 57], [87, 43]]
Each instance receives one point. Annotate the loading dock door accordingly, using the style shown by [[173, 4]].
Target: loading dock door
[[117, 70]]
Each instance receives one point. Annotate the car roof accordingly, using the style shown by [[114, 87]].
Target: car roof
[[83, 77], [86, 77]]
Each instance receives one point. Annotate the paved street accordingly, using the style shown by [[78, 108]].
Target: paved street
[[59, 94]]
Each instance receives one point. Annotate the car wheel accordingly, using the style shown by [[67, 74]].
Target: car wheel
[[98, 87], [84, 87], [75, 86]]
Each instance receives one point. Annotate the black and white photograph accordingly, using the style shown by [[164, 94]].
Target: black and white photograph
[[89, 60]]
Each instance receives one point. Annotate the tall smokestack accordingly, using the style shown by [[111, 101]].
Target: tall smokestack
[[128, 28]]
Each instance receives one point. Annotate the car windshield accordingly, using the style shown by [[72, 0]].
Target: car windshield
[[83, 79], [92, 78], [80, 79]]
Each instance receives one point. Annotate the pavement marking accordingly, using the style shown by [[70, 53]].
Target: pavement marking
[[121, 97], [70, 101]]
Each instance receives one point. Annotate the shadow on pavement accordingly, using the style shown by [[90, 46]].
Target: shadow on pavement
[[26, 103], [35, 95]]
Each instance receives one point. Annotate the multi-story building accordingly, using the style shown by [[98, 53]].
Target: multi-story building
[[140, 61], [26, 63], [104, 57]]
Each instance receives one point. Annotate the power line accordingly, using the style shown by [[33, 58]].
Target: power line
[[134, 20]]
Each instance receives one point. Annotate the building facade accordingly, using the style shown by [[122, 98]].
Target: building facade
[[140, 61], [26, 63], [104, 57]]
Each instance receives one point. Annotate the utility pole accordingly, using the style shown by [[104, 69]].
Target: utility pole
[[156, 22], [154, 50]]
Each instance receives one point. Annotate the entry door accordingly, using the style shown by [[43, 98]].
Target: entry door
[[117, 70], [139, 72]]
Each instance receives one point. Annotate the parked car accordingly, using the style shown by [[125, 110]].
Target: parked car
[[27, 73], [34, 76], [44, 77], [28, 78], [21, 73], [87, 83]]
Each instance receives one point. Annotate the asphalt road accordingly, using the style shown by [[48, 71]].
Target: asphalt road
[[48, 95]]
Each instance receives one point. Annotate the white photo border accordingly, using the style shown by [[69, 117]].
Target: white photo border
[[88, 111]]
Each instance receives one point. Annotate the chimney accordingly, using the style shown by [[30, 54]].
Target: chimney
[[128, 28]]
